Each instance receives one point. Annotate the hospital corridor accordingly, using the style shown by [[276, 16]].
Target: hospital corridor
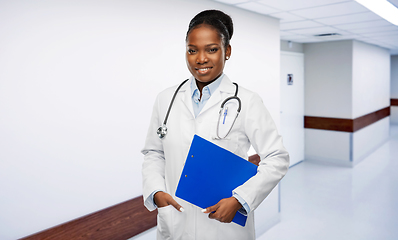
[[325, 202]]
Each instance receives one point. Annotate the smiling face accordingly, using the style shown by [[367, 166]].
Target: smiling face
[[206, 54]]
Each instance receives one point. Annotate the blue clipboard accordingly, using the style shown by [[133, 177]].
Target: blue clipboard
[[211, 173]]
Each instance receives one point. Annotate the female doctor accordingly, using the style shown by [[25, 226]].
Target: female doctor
[[195, 109]]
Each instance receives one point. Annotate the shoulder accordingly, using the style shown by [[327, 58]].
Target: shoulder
[[244, 92], [228, 85], [251, 102], [169, 92], [249, 96]]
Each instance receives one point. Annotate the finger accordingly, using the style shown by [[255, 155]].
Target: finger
[[210, 209], [175, 204], [211, 215]]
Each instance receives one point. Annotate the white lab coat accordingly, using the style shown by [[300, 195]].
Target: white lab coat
[[164, 159]]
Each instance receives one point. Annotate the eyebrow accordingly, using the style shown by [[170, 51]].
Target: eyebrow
[[208, 45]]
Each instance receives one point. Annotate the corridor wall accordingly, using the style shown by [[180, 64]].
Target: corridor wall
[[346, 81]]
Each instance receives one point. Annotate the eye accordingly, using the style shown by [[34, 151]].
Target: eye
[[191, 51], [213, 50]]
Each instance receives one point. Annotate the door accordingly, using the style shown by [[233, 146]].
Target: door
[[292, 104]]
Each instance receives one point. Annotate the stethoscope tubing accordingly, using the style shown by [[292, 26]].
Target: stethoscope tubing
[[162, 130], [172, 101], [233, 123]]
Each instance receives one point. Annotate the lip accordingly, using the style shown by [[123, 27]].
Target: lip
[[203, 70]]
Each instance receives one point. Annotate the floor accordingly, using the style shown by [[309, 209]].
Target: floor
[[326, 202]]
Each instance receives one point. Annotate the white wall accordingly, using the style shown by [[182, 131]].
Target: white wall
[[292, 105], [370, 78], [328, 74], [370, 92], [369, 138], [394, 88], [77, 84], [328, 146], [345, 79], [328, 88]]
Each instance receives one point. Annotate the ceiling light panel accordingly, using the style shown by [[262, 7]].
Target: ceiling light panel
[[331, 10], [394, 2], [383, 8], [257, 7]]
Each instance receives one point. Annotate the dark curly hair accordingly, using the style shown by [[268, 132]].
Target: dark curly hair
[[218, 20]]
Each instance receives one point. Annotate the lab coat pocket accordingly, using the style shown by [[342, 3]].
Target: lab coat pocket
[[170, 223], [165, 223]]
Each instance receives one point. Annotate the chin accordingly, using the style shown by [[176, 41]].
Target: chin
[[205, 79]]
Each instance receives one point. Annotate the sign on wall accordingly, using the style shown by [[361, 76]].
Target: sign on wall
[[290, 79]]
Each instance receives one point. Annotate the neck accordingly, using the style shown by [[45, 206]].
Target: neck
[[201, 85]]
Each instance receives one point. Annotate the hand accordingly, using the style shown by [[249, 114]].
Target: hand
[[163, 199], [225, 210]]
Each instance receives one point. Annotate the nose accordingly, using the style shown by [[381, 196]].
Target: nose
[[201, 58]]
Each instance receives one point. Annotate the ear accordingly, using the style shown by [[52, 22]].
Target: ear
[[228, 52]]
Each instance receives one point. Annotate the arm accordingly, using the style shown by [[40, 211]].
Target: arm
[[274, 159], [153, 167]]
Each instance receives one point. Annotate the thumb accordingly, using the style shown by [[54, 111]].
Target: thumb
[[176, 205]]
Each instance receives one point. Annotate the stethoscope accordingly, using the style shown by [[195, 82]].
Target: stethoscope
[[162, 130]]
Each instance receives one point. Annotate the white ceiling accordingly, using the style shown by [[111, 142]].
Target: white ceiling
[[300, 20]]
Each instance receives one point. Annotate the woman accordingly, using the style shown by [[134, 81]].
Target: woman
[[195, 110]]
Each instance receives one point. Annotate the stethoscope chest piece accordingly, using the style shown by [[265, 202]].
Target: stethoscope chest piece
[[162, 131]]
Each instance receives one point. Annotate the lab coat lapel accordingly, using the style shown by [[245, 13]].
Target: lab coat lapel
[[226, 86], [186, 96]]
